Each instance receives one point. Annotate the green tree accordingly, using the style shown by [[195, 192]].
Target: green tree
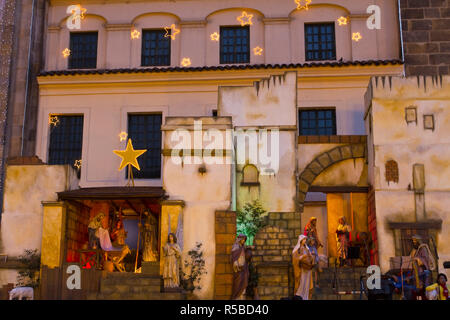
[[250, 220]]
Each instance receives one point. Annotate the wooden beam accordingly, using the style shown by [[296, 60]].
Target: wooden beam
[[131, 206], [338, 189]]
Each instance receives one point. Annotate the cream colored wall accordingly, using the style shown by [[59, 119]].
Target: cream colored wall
[[408, 145], [274, 27], [269, 103], [25, 188], [203, 194]]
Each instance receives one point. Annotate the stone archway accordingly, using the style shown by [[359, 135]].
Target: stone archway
[[321, 163]]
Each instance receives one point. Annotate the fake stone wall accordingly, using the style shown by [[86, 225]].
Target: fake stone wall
[[225, 237], [272, 255]]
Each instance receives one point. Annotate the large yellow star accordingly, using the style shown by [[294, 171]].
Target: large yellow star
[[129, 156], [302, 4]]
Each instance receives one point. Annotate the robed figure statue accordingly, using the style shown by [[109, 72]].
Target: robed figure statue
[[172, 255], [149, 239], [239, 260]]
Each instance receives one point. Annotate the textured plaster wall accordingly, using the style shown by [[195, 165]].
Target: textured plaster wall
[[25, 188], [409, 144], [203, 195]]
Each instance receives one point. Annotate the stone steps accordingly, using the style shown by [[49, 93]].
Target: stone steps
[[348, 279], [135, 286]]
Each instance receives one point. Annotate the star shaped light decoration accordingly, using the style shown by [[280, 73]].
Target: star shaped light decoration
[[215, 36], [258, 51], [123, 136], [186, 62], [302, 4], [53, 120], [342, 21], [77, 164], [66, 52], [135, 34], [171, 32], [129, 156], [82, 12], [245, 19], [356, 36]]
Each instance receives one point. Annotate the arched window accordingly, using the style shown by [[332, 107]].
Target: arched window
[[250, 175], [391, 171]]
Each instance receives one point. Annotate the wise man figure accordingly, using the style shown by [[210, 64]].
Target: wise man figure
[[423, 263], [342, 238], [148, 232], [95, 224], [172, 255], [239, 260]]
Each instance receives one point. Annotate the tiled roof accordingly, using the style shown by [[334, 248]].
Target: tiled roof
[[220, 68]]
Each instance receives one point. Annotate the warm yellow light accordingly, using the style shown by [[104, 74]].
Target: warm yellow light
[[173, 32], [245, 19], [215, 36], [302, 4], [123, 136], [77, 164], [186, 62], [53, 120], [81, 10], [66, 52], [356, 36], [258, 51], [129, 156], [135, 34], [342, 21]]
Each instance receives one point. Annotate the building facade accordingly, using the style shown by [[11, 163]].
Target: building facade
[[171, 76]]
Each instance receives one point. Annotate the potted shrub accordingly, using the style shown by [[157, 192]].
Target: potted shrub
[[194, 269]]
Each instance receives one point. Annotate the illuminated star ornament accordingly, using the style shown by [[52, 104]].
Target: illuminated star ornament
[[186, 62], [82, 11], [245, 19], [302, 4], [356, 36], [171, 32], [342, 21], [129, 156], [258, 51], [135, 34], [215, 36], [77, 164], [53, 120], [66, 53], [123, 136]]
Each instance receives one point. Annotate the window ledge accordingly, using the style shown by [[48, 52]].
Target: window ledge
[[332, 139]]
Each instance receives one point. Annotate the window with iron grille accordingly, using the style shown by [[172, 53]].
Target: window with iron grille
[[314, 122], [83, 50], [155, 48], [145, 132], [234, 45], [320, 43], [66, 140]]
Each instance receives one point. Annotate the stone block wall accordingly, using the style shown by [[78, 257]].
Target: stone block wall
[[426, 36], [225, 228], [272, 254]]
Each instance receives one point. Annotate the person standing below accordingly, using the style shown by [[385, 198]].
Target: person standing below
[[342, 238], [439, 290], [172, 255], [302, 261], [241, 274]]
